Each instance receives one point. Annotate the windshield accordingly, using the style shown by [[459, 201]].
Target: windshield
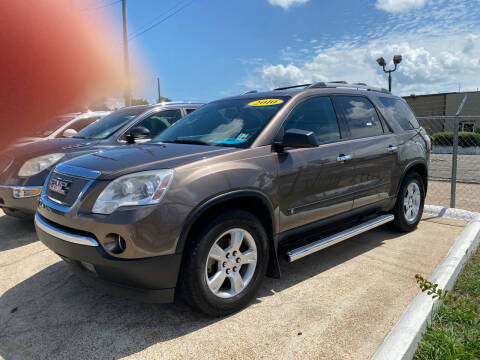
[[232, 122], [47, 128], [109, 124]]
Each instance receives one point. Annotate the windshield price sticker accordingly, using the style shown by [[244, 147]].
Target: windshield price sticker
[[265, 102]]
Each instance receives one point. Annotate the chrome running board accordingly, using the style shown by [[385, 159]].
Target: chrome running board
[[315, 246]]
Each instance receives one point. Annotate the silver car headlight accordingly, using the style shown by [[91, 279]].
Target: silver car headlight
[[37, 165], [142, 188]]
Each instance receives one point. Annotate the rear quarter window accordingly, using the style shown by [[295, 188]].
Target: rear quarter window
[[397, 110]]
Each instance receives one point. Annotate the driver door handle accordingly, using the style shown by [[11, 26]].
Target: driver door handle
[[392, 148], [342, 158]]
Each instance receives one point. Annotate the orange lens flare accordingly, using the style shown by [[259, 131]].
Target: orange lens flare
[[55, 58]]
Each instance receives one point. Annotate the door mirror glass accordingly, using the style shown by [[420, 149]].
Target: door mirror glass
[[297, 138], [137, 133], [69, 133]]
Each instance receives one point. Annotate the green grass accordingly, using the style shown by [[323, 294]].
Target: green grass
[[455, 330]]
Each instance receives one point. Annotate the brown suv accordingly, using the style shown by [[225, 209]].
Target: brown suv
[[206, 209]]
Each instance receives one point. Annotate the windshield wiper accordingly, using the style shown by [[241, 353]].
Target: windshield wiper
[[79, 137], [187, 141]]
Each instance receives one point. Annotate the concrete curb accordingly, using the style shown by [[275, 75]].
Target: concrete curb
[[450, 213], [403, 339]]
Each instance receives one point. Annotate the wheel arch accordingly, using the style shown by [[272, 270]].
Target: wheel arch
[[250, 200], [419, 167]]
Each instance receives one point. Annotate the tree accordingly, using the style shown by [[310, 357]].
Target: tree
[[164, 99], [139, 101]]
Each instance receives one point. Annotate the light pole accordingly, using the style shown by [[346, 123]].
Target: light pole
[[128, 90], [397, 59]]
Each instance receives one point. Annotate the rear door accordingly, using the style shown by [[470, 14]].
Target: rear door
[[314, 183], [374, 149]]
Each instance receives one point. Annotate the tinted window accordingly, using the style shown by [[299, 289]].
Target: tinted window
[[316, 115], [160, 121], [46, 128], [360, 116], [109, 124], [190, 110], [397, 110], [81, 123], [230, 122]]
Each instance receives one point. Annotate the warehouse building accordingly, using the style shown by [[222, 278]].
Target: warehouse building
[[446, 104]]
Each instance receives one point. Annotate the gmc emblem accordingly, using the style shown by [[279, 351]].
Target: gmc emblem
[[59, 186]]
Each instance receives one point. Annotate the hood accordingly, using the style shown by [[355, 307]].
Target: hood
[[142, 157], [49, 146]]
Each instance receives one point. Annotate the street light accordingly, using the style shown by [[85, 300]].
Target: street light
[[397, 59]]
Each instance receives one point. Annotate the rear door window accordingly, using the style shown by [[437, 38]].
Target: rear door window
[[316, 115], [398, 111], [359, 115]]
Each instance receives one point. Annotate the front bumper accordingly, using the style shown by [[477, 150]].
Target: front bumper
[[26, 205], [147, 279]]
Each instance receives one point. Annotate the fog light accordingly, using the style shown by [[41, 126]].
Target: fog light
[[26, 192], [88, 266], [115, 244]]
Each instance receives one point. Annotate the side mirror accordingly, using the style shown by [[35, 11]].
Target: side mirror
[[69, 133], [299, 139], [137, 133]]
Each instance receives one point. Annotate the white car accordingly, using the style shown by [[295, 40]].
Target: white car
[[63, 126]]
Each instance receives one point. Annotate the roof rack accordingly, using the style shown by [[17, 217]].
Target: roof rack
[[292, 87], [337, 84]]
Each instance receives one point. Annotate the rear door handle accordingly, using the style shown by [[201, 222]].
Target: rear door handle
[[392, 148], [342, 158]]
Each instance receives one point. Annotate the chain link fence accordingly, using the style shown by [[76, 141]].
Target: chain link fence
[[454, 173]]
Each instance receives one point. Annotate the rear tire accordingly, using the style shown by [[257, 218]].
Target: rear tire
[[408, 209], [224, 263]]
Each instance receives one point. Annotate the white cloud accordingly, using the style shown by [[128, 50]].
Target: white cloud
[[428, 65], [285, 4], [440, 48], [397, 6]]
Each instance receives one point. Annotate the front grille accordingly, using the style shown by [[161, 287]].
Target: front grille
[[5, 162], [72, 192]]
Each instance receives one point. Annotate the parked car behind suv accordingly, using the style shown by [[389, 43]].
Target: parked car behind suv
[[24, 168], [66, 125], [204, 211]]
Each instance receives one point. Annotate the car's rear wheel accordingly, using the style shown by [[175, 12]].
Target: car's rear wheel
[[409, 207], [225, 263]]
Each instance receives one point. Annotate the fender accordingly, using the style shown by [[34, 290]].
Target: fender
[[274, 266], [407, 168]]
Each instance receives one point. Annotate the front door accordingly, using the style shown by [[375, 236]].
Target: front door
[[314, 183]]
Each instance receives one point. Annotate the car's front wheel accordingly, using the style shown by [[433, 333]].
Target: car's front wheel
[[224, 263]]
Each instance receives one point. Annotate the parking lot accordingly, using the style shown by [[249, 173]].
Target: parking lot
[[339, 303]]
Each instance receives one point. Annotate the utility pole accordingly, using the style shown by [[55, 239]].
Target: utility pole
[[128, 90], [158, 88]]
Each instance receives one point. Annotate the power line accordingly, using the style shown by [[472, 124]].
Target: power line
[[152, 21], [101, 6], [161, 21]]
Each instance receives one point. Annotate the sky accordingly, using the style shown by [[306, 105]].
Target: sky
[[208, 49]]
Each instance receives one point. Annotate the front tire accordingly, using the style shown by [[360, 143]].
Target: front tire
[[224, 263], [408, 209]]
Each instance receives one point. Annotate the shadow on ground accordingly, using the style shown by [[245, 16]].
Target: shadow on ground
[[53, 315], [15, 232]]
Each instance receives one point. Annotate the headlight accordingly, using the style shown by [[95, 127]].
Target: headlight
[[142, 188], [38, 164]]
